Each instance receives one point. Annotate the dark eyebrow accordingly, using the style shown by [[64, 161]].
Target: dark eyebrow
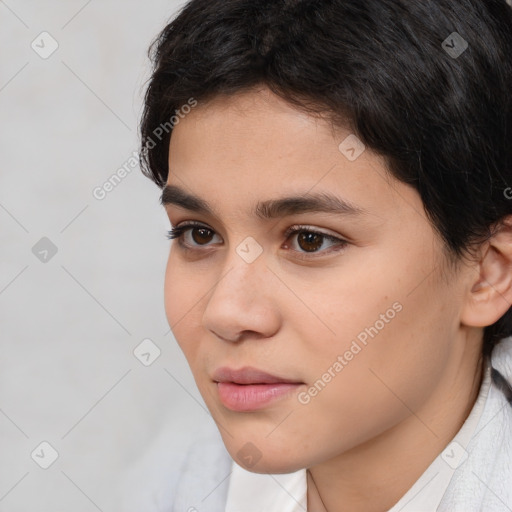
[[270, 209]]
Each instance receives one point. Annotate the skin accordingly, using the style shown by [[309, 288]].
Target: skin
[[377, 425]]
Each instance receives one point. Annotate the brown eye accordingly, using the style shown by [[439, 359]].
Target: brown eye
[[309, 241], [191, 235], [201, 235]]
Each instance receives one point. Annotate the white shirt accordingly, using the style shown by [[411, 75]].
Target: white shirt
[[254, 492]]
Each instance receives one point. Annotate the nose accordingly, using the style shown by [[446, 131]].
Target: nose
[[243, 302]]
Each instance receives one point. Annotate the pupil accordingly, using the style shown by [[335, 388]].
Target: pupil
[[309, 239], [203, 233]]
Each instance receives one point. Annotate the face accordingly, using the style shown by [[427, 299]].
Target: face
[[301, 324]]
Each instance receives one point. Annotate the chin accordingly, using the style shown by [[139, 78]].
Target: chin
[[261, 456]]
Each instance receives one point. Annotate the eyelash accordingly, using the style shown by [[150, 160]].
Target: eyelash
[[179, 231]]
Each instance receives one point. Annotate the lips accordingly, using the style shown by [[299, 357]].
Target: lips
[[250, 389], [249, 375]]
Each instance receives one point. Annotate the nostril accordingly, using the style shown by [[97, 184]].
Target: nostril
[[230, 340]]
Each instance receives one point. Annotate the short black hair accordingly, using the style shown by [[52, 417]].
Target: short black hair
[[398, 73]]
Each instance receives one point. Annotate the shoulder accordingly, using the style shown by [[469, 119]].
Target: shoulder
[[482, 479]]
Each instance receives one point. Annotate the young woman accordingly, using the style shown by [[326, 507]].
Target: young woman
[[338, 178]]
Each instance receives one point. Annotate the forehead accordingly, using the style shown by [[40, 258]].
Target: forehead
[[253, 147]]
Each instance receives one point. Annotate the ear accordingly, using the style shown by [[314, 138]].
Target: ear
[[490, 287]]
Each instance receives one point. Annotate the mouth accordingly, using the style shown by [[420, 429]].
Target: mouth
[[250, 389]]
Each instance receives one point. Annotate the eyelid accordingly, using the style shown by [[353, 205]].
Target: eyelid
[[304, 227], [295, 227], [340, 243]]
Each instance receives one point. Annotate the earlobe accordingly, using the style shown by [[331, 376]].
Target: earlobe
[[490, 293]]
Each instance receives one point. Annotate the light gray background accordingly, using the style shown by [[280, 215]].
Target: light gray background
[[69, 326]]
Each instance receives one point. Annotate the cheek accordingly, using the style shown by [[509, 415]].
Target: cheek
[[182, 301], [342, 307], [173, 290], [391, 335]]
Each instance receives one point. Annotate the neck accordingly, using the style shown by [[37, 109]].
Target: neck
[[372, 477]]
